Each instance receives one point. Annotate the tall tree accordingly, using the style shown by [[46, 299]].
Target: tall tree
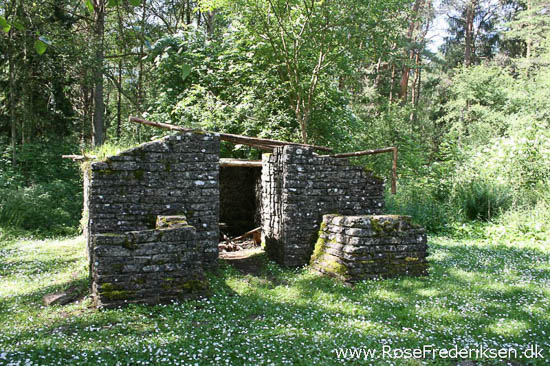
[[413, 23], [99, 103], [472, 31], [312, 39], [471, 10]]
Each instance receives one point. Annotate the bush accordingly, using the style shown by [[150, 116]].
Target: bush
[[47, 208], [482, 199], [419, 203], [42, 193]]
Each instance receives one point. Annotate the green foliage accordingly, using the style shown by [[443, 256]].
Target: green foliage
[[479, 105], [525, 224], [418, 201], [46, 208], [4, 24], [482, 199], [43, 192], [495, 151], [218, 87], [108, 149]]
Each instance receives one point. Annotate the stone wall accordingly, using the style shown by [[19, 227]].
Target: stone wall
[[148, 266], [178, 175], [298, 188], [355, 248]]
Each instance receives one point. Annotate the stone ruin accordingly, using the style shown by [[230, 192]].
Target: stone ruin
[[152, 218], [355, 248]]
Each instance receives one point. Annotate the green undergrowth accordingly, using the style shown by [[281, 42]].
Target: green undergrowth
[[106, 150], [480, 292], [41, 194]]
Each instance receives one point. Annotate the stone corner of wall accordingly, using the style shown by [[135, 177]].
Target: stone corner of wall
[[358, 247], [148, 266], [141, 248]]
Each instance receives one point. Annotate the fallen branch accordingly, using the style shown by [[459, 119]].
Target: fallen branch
[[360, 153], [79, 157], [262, 143], [248, 233]]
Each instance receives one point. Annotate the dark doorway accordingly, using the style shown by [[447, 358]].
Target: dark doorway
[[240, 199]]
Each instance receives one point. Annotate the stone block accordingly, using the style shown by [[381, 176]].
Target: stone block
[[390, 249]]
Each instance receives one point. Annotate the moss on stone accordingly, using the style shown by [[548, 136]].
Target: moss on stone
[[106, 172], [375, 224], [318, 251], [167, 222], [112, 235], [129, 244], [384, 227], [108, 286], [320, 244], [115, 295], [195, 285], [139, 174], [335, 267], [168, 166]]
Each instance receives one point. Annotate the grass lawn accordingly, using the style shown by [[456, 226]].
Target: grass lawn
[[478, 294]]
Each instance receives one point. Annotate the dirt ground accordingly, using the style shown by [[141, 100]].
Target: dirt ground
[[247, 261]]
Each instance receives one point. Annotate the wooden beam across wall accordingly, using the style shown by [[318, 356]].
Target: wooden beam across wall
[[240, 163], [257, 142]]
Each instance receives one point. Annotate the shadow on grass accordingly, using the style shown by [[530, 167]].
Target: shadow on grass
[[34, 299], [297, 317], [31, 267]]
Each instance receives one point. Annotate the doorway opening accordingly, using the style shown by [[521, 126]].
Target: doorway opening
[[240, 204]]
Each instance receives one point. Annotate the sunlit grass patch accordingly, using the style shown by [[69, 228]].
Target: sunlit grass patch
[[477, 293]]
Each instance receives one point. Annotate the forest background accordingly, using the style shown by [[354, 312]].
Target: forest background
[[469, 115]]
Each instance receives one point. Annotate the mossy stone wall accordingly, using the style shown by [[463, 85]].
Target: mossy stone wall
[[131, 258], [298, 188], [177, 175], [148, 266], [355, 248]]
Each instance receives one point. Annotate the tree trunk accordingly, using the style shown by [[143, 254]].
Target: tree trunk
[[141, 96], [377, 79], [392, 82], [302, 118], [210, 26], [416, 93], [119, 100], [404, 84], [528, 41], [419, 83], [99, 104], [188, 12], [26, 78], [11, 82], [470, 15], [12, 98], [416, 88]]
